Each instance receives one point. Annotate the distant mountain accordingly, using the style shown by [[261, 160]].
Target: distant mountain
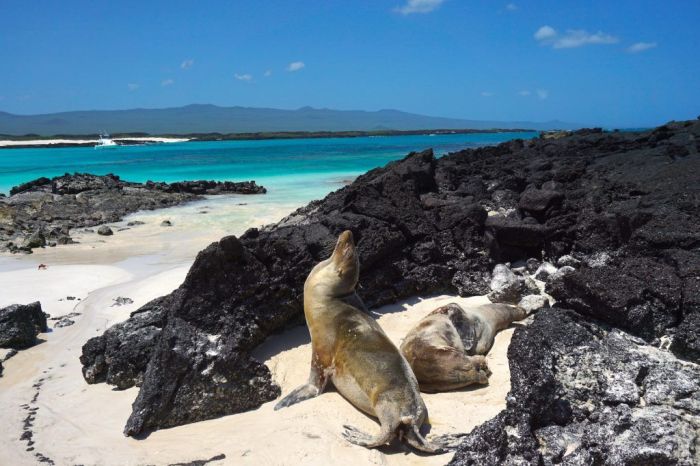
[[211, 118]]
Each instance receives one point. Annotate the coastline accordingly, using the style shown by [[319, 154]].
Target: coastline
[[21, 142]]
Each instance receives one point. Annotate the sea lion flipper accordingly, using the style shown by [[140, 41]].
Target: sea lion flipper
[[304, 392], [417, 441], [356, 436], [314, 387]]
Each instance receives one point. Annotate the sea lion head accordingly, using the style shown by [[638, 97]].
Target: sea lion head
[[337, 275]]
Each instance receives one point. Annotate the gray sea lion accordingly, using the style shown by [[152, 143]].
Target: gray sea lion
[[351, 350], [446, 348]]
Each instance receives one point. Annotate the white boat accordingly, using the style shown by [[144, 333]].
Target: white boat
[[105, 142]]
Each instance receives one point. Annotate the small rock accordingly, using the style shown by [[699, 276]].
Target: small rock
[[64, 322], [20, 324], [134, 223], [506, 287], [569, 260], [532, 265], [566, 270], [35, 240], [544, 271], [104, 230], [598, 259], [166, 223], [533, 302], [120, 301]]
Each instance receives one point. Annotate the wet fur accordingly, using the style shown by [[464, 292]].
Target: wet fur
[[351, 350]]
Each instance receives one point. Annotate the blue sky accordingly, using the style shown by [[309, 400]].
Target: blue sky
[[614, 63]]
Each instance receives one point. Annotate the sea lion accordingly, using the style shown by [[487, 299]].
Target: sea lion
[[351, 350], [446, 348]]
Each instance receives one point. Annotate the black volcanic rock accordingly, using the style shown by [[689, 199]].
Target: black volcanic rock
[[44, 210], [20, 324], [586, 393], [425, 226], [120, 355]]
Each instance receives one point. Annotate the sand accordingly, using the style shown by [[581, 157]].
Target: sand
[[81, 424]]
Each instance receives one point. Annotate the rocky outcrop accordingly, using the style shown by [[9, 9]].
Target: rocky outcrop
[[43, 211], [586, 393], [120, 355], [425, 226], [20, 324]]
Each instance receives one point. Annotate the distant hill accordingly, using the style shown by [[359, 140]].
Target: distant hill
[[211, 118]]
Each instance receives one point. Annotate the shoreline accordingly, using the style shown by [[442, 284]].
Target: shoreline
[[17, 142]]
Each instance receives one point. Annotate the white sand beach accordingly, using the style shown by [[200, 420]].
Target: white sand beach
[[44, 142], [77, 423]]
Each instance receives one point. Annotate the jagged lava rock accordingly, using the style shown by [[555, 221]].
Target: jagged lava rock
[[20, 324], [584, 393], [46, 209]]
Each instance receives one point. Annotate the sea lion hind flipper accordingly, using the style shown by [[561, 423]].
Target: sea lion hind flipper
[[420, 443], [356, 436]]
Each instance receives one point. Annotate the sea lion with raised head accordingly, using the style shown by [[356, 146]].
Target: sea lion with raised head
[[446, 348], [351, 350]]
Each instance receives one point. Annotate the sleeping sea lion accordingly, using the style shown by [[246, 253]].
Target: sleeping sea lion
[[446, 348], [351, 350]]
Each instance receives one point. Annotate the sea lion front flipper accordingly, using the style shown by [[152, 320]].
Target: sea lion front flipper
[[314, 387]]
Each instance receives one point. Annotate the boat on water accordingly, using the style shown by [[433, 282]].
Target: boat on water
[[105, 142]]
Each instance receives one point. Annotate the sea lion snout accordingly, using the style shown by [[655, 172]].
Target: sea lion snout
[[344, 255], [345, 244]]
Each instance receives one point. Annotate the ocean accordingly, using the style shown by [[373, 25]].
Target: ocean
[[295, 171]]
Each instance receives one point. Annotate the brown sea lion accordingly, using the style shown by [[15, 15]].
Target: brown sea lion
[[446, 348], [351, 350]]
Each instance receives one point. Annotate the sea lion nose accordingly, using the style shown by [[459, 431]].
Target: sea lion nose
[[346, 237]]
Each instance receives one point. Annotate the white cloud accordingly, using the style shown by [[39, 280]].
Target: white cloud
[[524, 93], [547, 35], [511, 7], [418, 6], [187, 64], [487, 94], [132, 86], [542, 94], [243, 77], [167, 82], [641, 47], [267, 73], [295, 66]]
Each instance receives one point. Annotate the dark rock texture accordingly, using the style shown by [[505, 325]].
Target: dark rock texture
[[585, 393], [43, 211], [425, 226], [120, 355], [20, 324]]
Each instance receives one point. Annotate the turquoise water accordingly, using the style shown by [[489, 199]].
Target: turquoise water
[[300, 168]]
